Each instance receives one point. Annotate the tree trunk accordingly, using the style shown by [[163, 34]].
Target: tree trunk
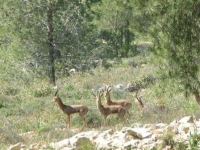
[[50, 44], [197, 97], [127, 37]]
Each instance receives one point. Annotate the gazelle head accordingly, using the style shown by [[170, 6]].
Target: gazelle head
[[56, 97], [97, 95], [107, 90], [139, 100]]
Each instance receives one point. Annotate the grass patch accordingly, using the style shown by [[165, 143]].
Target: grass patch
[[28, 108]]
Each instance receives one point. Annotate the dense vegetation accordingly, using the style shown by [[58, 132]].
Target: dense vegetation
[[148, 43]]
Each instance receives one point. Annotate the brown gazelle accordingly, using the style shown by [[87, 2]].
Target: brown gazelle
[[82, 110], [109, 110], [125, 103], [147, 108]]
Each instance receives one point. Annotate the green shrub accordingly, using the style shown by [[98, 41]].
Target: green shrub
[[42, 91], [1, 105], [167, 140], [94, 118], [43, 128], [11, 91], [193, 140], [180, 146], [85, 144], [7, 112], [69, 87]]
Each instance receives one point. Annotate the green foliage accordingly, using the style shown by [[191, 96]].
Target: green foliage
[[1, 104], [26, 113], [43, 128], [175, 38], [85, 145], [113, 20], [167, 140], [69, 87], [82, 33], [42, 91], [12, 137], [180, 145], [10, 91], [194, 140], [106, 64], [94, 119]]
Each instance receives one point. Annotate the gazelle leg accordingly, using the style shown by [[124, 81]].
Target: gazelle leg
[[127, 116], [105, 122], [84, 122], [127, 112], [68, 122]]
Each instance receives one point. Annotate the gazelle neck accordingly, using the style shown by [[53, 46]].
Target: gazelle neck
[[107, 98], [140, 103], [99, 105], [60, 103]]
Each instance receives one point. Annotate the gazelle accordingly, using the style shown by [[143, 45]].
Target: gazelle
[[125, 103], [82, 110], [109, 110], [149, 109]]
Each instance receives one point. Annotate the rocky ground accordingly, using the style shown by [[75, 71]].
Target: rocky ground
[[181, 134]]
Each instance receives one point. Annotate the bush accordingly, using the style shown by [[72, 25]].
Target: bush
[[193, 140], [167, 140], [11, 91], [42, 91], [1, 105]]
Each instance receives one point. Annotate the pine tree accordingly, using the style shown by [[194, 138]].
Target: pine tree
[[175, 30]]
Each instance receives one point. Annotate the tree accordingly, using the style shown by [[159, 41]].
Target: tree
[[51, 43], [11, 53], [55, 34], [32, 24], [175, 27], [113, 21]]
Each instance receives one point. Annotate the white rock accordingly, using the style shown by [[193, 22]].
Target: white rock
[[140, 133], [174, 123], [89, 134], [187, 119], [73, 70], [185, 127], [17, 146], [154, 137], [80, 142], [160, 125], [61, 144], [102, 143], [169, 128], [131, 144], [138, 136], [150, 126], [137, 125], [119, 86]]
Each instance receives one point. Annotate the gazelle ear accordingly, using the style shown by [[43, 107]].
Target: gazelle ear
[[137, 95], [93, 93], [56, 93], [105, 88], [101, 94], [109, 88]]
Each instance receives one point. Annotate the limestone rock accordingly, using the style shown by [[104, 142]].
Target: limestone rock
[[61, 144], [138, 136], [187, 119], [140, 133], [17, 146]]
